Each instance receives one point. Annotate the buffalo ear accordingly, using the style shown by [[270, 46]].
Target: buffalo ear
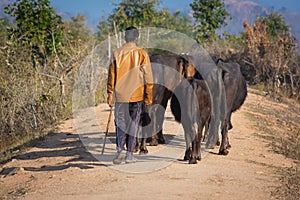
[[180, 64], [190, 71], [189, 67], [186, 66], [180, 61]]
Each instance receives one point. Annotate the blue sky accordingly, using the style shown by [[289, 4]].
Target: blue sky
[[102, 7], [95, 9]]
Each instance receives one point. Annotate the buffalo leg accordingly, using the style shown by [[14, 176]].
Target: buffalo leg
[[137, 145], [193, 158], [143, 146], [200, 139], [189, 138], [196, 146], [188, 153], [223, 148], [158, 137], [144, 130]]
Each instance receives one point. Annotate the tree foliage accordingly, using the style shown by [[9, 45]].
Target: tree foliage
[[271, 50], [275, 24], [209, 16], [39, 56], [142, 13], [139, 13], [37, 25], [77, 31]]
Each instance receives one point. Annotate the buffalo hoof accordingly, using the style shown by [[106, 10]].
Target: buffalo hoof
[[198, 158], [153, 142], [161, 140], [228, 146], [224, 152], [193, 160], [218, 143], [188, 154], [186, 157], [136, 149], [143, 151]]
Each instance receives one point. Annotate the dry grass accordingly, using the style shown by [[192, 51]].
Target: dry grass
[[279, 124]]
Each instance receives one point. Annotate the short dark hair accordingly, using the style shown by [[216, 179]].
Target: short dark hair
[[131, 33]]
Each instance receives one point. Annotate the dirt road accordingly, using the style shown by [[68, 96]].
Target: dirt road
[[66, 166]]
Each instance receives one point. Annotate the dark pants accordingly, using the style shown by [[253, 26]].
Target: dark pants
[[127, 117]]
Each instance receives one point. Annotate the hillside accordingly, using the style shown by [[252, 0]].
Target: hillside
[[249, 10]]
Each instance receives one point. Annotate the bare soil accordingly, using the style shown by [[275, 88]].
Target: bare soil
[[61, 167]]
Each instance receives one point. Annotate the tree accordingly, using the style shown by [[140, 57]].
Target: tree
[[37, 25], [77, 30], [275, 24], [271, 50], [209, 15], [39, 59], [104, 29], [173, 21], [139, 13], [142, 13]]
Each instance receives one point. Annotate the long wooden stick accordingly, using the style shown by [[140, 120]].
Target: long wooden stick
[[107, 128]]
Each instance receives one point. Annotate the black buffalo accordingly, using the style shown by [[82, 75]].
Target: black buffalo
[[236, 93], [190, 103], [191, 106], [167, 73]]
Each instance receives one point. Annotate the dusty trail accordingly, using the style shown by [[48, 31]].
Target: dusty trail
[[60, 167]]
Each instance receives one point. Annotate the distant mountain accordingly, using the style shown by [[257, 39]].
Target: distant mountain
[[241, 11], [248, 11]]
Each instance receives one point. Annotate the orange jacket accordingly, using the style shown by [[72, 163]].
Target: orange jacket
[[130, 76]]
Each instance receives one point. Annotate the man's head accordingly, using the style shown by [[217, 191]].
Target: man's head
[[131, 34]]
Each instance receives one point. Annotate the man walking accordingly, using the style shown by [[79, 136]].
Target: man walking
[[130, 85]]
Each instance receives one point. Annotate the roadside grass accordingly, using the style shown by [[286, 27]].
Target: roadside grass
[[279, 124], [20, 143], [21, 147]]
